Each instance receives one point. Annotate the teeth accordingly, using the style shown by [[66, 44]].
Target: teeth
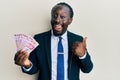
[[58, 27]]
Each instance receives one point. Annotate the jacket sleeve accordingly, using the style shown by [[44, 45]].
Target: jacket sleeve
[[86, 63]]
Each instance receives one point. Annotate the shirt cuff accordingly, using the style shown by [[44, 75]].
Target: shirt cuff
[[27, 69], [83, 57]]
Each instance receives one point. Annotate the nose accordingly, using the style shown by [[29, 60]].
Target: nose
[[58, 19]]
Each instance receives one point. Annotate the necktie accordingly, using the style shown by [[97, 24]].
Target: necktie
[[60, 61]]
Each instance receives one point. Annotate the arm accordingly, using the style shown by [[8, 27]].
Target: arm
[[79, 49]]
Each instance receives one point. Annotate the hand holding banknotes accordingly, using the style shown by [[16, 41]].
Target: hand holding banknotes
[[25, 45], [22, 59]]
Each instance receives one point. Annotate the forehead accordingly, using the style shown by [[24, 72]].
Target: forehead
[[61, 7]]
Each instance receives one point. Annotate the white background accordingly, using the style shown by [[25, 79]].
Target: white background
[[99, 20]]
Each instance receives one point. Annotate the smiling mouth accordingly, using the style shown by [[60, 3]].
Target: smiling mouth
[[58, 28]]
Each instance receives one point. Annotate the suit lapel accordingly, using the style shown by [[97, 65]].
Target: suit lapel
[[48, 49], [70, 54]]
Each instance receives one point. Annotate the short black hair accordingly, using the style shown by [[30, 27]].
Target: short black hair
[[67, 5]]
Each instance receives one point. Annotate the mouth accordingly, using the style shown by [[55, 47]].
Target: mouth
[[58, 27]]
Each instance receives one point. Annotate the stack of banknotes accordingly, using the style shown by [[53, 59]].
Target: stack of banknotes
[[25, 42]]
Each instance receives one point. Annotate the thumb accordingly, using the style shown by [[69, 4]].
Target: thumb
[[84, 41]]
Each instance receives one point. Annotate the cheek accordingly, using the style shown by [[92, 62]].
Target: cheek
[[65, 23]]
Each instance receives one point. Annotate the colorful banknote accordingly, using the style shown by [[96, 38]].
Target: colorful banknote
[[25, 42]]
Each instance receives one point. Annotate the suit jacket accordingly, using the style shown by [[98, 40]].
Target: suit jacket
[[41, 58]]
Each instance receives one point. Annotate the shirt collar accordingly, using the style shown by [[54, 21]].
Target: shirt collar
[[64, 36]]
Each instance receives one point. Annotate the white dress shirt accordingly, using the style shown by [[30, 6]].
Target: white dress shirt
[[54, 44]]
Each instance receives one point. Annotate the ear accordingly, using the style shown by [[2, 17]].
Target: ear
[[70, 20]]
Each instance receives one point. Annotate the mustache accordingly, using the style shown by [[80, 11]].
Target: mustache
[[56, 23]]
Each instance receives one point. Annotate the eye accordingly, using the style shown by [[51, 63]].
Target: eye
[[54, 16], [62, 17]]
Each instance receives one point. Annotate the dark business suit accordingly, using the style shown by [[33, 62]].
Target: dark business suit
[[41, 58]]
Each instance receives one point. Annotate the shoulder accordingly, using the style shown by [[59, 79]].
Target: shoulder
[[43, 34], [74, 36]]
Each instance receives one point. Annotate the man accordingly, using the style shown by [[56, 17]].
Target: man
[[44, 57]]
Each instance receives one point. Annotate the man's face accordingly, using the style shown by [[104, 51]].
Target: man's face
[[60, 19]]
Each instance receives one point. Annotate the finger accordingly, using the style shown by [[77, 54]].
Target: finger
[[16, 55], [19, 56], [84, 41], [23, 59]]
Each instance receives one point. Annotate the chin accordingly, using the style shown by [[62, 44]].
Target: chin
[[57, 33]]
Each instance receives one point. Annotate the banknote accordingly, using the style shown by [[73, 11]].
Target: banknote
[[25, 42]]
